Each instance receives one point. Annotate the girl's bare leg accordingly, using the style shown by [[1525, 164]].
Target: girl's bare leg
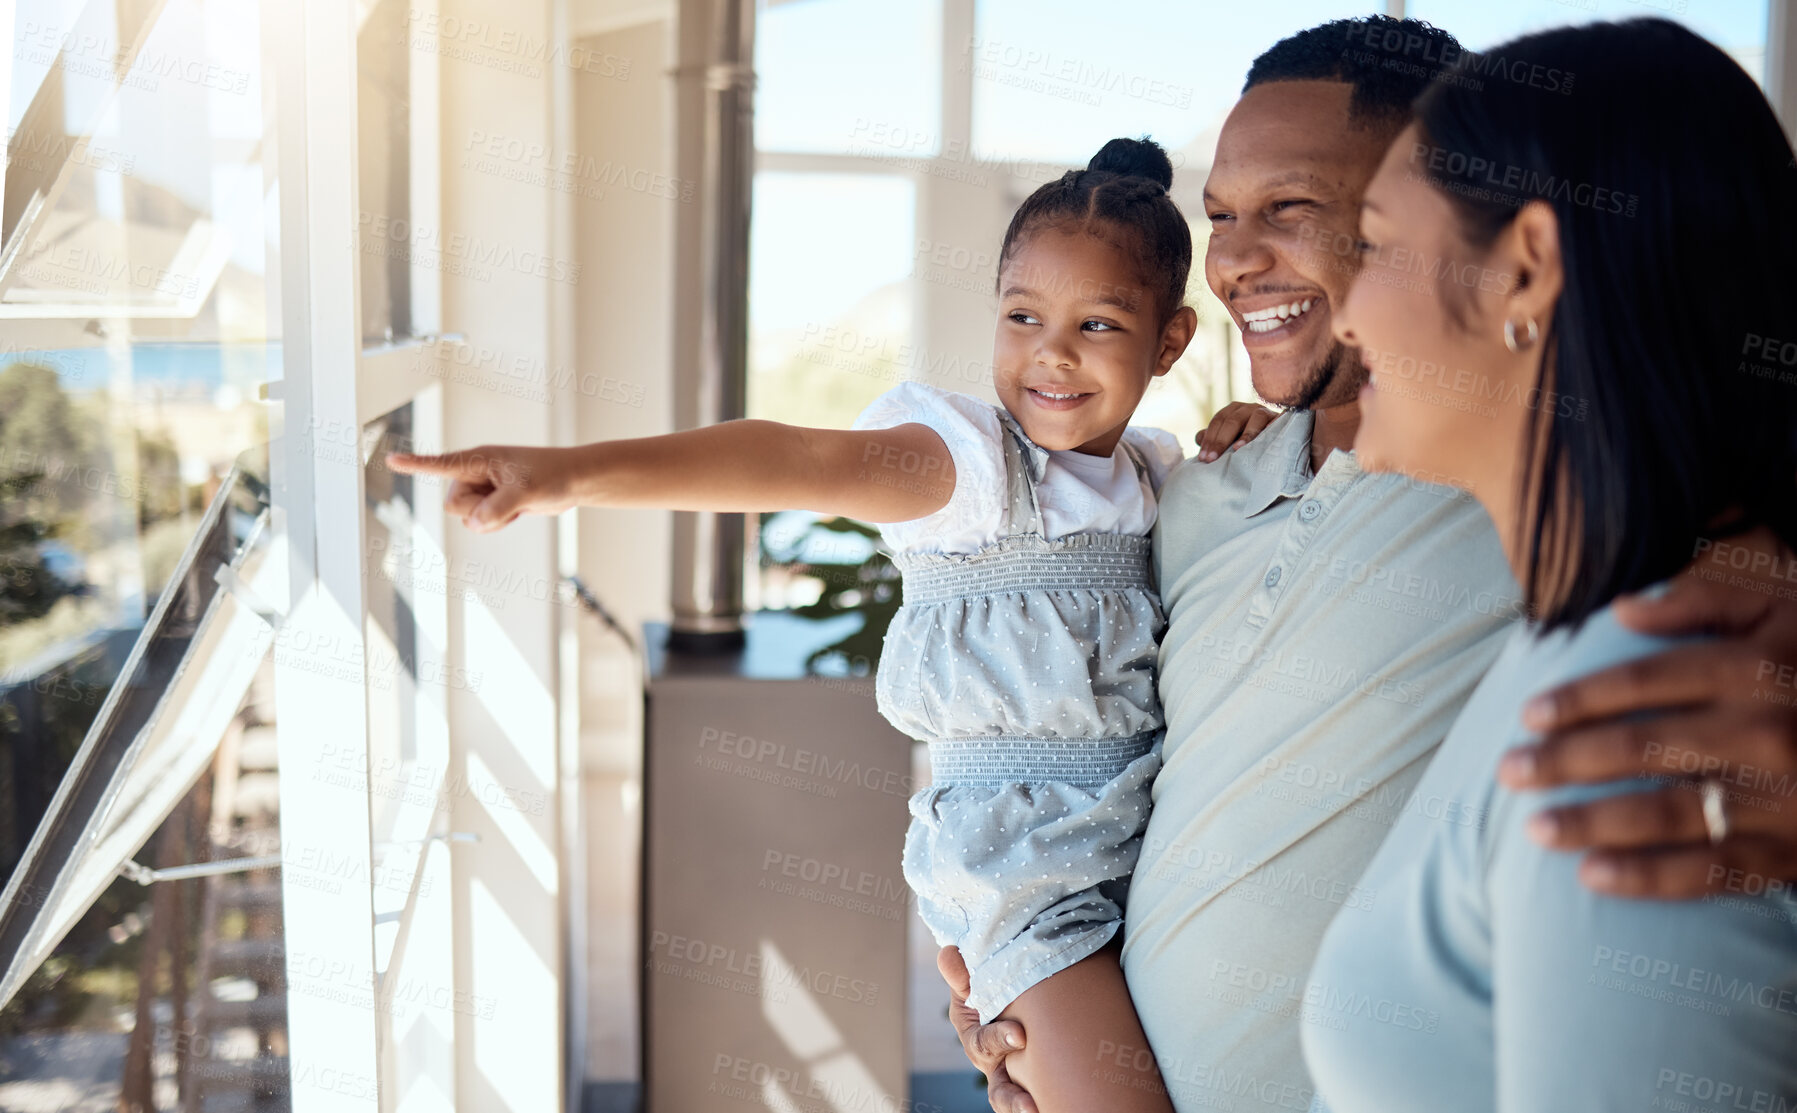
[[1085, 1051]]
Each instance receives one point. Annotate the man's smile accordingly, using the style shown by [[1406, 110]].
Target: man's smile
[[1280, 321]]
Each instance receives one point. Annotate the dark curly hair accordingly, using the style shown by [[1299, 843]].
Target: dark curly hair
[[1122, 195], [1389, 62]]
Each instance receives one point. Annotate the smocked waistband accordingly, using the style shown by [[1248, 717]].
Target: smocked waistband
[[1086, 763], [993, 572]]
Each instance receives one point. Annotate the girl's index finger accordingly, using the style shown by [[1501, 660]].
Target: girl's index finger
[[463, 464]]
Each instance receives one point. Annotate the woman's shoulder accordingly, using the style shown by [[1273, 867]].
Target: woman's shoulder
[[1491, 722], [1662, 978], [1545, 660], [1532, 662]]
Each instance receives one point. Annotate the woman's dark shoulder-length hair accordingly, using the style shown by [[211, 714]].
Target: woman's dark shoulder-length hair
[[1668, 400]]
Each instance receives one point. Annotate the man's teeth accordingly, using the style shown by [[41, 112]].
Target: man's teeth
[[1266, 320]]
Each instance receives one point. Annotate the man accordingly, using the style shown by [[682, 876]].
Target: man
[[1326, 626]]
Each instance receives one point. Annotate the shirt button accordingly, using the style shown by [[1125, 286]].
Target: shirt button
[[1310, 510], [1273, 576]]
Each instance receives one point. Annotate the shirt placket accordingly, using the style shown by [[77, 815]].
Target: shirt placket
[[1302, 524]]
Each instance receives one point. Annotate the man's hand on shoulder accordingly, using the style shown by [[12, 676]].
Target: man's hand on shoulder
[[1724, 710]]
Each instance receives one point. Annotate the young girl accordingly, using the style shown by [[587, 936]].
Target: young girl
[[1024, 652]]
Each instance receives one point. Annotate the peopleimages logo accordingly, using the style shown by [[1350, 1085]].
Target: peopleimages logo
[[454, 252], [1522, 182], [1410, 46], [751, 971], [1043, 71]]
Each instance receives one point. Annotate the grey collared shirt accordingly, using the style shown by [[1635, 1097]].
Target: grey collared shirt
[[1323, 633]]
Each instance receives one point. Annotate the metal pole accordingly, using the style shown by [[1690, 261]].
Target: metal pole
[[715, 90]]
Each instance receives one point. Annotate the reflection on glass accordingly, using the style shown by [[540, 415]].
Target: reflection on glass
[[144, 185], [846, 77], [154, 731], [136, 326], [383, 170], [390, 627], [171, 996], [410, 787], [404, 657], [116, 423], [39, 29]]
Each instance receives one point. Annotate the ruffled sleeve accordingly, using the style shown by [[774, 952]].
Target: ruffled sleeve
[[972, 431], [1160, 448]]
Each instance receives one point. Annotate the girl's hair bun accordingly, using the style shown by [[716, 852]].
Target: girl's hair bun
[[1135, 158]]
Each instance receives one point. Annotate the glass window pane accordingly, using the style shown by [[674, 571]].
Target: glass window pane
[[406, 779], [40, 30], [1738, 26], [830, 260], [87, 36], [1053, 82], [383, 168], [138, 326], [849, 77], [830, 330], [149, 736], [172, 996], [394, 661], [116, 431], [149, 192]]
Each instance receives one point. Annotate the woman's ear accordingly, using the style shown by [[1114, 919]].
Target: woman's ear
[[1175, 337], [1533, 241]]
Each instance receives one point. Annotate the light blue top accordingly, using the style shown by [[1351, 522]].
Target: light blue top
[[1485, 977], [1324, 629]]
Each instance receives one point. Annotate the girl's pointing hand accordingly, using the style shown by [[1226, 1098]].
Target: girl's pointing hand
[[491, 485]]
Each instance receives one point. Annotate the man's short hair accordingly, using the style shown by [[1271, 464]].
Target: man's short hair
[[1387, 61]]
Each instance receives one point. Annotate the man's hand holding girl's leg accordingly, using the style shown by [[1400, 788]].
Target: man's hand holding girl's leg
[[986, 1045]]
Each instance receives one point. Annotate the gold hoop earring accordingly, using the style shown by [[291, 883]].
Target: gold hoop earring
[[1510, 335]]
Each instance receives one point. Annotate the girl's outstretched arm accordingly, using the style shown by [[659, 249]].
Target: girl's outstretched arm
[[876, 475]]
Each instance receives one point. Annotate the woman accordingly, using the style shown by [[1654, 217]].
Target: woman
[[1581, 274]]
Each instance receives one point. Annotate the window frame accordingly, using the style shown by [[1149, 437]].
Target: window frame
[[338, 388]]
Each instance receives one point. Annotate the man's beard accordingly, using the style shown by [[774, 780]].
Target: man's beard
[[1326, 374]]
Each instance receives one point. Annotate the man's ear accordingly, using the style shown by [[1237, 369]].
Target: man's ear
[[1175, 338]]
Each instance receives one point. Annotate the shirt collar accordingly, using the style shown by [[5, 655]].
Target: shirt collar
[[1283, 469]]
